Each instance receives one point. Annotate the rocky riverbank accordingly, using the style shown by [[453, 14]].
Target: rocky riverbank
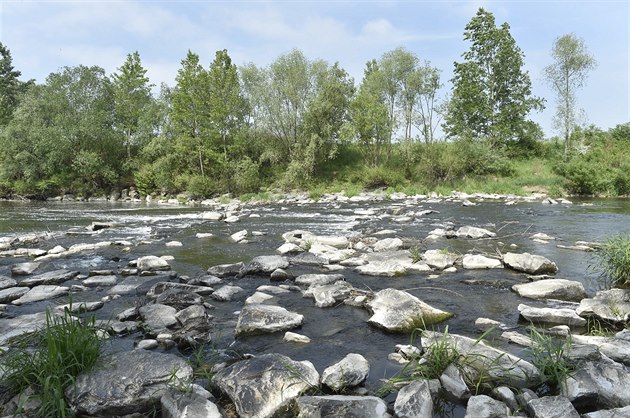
[[173, 313]]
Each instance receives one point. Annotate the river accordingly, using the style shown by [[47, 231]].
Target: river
[[339, 330]]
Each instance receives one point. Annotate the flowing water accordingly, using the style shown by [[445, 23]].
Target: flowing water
[[334, 331]]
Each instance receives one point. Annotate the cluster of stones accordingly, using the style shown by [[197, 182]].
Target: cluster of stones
[[178, 313]]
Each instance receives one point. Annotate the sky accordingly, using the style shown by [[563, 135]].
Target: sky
[[46, 35]]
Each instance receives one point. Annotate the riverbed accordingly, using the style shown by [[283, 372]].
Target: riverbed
[[334, 331]]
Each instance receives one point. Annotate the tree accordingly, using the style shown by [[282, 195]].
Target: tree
[[227, 105], [132, 95], [491, 93], [427, 116], [10, 86], [571, 65]]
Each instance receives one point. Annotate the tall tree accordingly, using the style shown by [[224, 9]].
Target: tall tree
[[10, 86], [191, 106], [566, 74], [227, 105], [429, 108], [491, 93], [132, 95]]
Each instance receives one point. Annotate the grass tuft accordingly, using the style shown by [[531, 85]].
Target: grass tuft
[[614, 261], [550, 357]]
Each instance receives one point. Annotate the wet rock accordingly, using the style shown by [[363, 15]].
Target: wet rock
[[308, 259], [157, 317], [289, 248], [264, 264], [42, 292], [262, 385], [505, 395], [439, 259], [212, 216], [126, 383], [414, 401], [473, 232], [179, 298], [551, 316], [477, 358], [225, 270], [453, 383], [51, 277], [130, 285], [239, 236], [177, 404], [204, 235], [148, 344], [152, 263], [482, 406], [388, 244], [296, 338], [20, 325], [80, 307], [279, 275], [552, 407], [57, 249], [382, 268], [560, 289], [174, 244], [12, 293], [611, 306], [318, 279], [97, 226], [258, 298], [161, 287], [259, 319], [24, 269], [206, 281], [195, 326], [341, 406], [617, 349], [610, 413], [476, 261], [399, 311], [96, 281], [350, 371], [484, 324], [528, 263], [232, 219], [226, 293], [6, 282], [598, 384], [330, 294]]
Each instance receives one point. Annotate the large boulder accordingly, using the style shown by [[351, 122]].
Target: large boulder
[[478, 359], [263, 385], [551, 316], [561, 289], [127, 382], [610, 306], [261, 319], [350, 371], [528, 263], [399, 311], [597, 384]]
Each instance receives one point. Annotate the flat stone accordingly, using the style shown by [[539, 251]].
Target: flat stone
[[226, 293], [179, 298], [42, 292], [24, 269], [342, 406], [20, 325], [96, 281], [552, 407], [609, 413], [152, 263], [51, 277], [473, 232], [225, 270], [482, 406], [258, 298], [260, 319], [80, 307], [611, 306], [330, 294], [161, 287], [12, 293], [6, 282], [127, 382], [176, 404], [388, 244], [399, 311], [528, 263], [264, 264], [453, 383], [477, 261], [561, 289], [551, 316], [239, 236], [212, 216], [158, 318], [318, 279], [261, 386], [439, 259], [617, 349], [599, 385], [350, 371], [296, 338]]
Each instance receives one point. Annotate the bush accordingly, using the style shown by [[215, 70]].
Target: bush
[[199, 187], [582, 177], [66, 347], [614, 261], [246, 178], [379, 177]]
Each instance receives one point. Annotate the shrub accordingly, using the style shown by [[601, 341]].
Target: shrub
[[246, 178], [380, 177], [200, 186], [614, 261], [66, 347]]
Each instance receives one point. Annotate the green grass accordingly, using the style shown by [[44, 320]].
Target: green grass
[[614, 261], [550, 357], [50, 360]]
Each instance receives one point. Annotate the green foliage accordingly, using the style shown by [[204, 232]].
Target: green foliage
[[246, 177], [66, 347], [614, 261], [11, 88], [550, 357], [379, 177], [199, 187], [491, 93]]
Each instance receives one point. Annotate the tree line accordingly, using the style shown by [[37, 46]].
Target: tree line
[[290, 124]]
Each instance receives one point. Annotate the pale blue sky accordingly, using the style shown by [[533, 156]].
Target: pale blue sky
[[44, 36]]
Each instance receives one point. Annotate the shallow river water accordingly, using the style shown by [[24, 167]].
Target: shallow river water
[[339, 330]]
